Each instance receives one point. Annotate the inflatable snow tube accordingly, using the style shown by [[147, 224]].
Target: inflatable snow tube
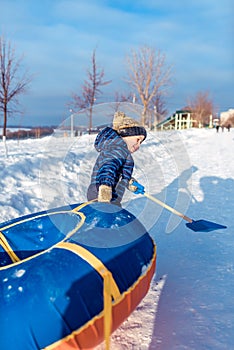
[[70, 276]]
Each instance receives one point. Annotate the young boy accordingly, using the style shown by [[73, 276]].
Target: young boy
[[112, 172]]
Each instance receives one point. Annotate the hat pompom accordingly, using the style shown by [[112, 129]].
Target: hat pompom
[[122, 121]]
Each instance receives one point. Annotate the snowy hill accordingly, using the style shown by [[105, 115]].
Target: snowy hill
[[190, 304]]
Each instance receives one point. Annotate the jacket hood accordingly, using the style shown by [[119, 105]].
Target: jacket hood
[[108, 138]]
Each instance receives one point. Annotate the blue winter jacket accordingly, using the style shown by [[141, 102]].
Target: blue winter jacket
[[113, 167]]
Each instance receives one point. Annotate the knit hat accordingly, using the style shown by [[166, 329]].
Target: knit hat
[[126, 126]]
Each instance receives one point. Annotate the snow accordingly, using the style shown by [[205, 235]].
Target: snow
[[190, 303]]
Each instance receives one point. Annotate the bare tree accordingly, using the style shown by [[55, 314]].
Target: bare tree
[[90, 90], [149, 75], [202, 107], [158, 103], [123, 97], [12, 82]]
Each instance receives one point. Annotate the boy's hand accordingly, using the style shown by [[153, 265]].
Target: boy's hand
[[104, 193], [136, 187]]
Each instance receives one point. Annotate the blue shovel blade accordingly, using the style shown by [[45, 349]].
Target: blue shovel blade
[[204, 226]]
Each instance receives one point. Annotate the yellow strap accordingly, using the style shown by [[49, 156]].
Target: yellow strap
[[93, 261], [83, 205], [6, 246], [110, 288], [107, 292]]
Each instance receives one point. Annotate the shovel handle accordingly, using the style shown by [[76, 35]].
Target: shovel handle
[[164, 205]]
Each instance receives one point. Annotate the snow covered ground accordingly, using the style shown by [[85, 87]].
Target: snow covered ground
[[190, 304]]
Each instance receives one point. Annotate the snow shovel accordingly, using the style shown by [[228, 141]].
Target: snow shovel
[[198, 225]]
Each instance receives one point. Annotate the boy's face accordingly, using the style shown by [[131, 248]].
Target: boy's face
[[133, 142]]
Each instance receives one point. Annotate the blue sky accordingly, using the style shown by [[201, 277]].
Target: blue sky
[[57, 38]]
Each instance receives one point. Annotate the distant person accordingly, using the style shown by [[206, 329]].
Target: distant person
[[229, 127], [112, 172]]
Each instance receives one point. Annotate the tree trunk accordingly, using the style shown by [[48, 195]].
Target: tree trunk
[[4, 121], [90, 119], [143, 116], [4, 130]]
